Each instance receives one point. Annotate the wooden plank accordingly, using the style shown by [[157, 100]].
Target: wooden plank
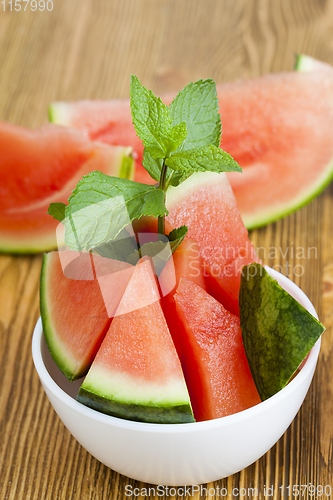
[[88, 49]]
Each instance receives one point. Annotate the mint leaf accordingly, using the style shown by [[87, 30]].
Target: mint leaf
[[152, 165], [197, 105], [161, 250], [176, 237], [57, 211], [120, 248], [154, 168], [206, 158], [152, 123], [101, 206]]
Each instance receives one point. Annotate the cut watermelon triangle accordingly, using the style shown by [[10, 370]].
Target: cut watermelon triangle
[[214, 362], [76, 307], [186, 262], [137, 373], [40, 167], [278, 128]]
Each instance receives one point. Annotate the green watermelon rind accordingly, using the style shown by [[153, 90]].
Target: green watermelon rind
[[303, 63], [253, 222], [46, 241], [57, 113], [277, 331], [166, 414], [38, 245], [57, 351]]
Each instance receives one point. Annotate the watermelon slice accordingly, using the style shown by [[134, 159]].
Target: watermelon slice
[[40, 167], [276, 126], [214, 362], [105, 121], [136, 373], [186, 262], [206, 204], [75, 312]]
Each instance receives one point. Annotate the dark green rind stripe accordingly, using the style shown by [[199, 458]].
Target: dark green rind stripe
[[49, 335], [141, 413], [277, 331]]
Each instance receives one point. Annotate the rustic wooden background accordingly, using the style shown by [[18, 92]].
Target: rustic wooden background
[[88, 49]]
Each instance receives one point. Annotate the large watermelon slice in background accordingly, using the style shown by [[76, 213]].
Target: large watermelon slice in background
[[278, 127], [40, 167]]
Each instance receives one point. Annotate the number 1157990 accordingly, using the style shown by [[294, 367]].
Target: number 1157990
[[25, 5]]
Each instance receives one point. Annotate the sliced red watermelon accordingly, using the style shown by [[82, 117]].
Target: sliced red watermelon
[[214, 362], [278, 128], [206, 204], [40, 167], [75, 314], [105, 121], [186, 262], [136, 373]]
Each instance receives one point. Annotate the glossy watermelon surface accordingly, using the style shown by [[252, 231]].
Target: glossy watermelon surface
[[206, 204], [214, 362], [40, 167], [277, 126]]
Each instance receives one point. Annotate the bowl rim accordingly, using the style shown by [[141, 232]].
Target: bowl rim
[[74, 405]]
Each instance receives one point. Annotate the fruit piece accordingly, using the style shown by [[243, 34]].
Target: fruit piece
[[186, 262], [206, 204], [41, 167], [279, 133], [105, 121], [278, 332], [75, 312], [276, 126], [214, 361], [137, 374]]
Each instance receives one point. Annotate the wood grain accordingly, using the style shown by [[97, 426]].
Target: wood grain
[[88, 49]]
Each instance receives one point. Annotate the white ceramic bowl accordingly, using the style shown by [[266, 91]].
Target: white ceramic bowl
[[177, 454]]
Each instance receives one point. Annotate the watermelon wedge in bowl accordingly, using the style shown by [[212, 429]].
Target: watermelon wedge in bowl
[[177, 454]]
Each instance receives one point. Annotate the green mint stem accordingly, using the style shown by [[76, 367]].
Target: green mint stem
[[162, 187]]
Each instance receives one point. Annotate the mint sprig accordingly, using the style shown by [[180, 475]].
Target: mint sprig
[[178, 140]]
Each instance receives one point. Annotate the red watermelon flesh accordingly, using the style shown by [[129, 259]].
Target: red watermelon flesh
[[74, 311], [276, 126], [278, 129], [137, 374], [206, 204], [185, 262], [105, 121], [214, 362], [40, 167]]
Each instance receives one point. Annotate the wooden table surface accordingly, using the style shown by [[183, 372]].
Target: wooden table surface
[[88, 49]]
